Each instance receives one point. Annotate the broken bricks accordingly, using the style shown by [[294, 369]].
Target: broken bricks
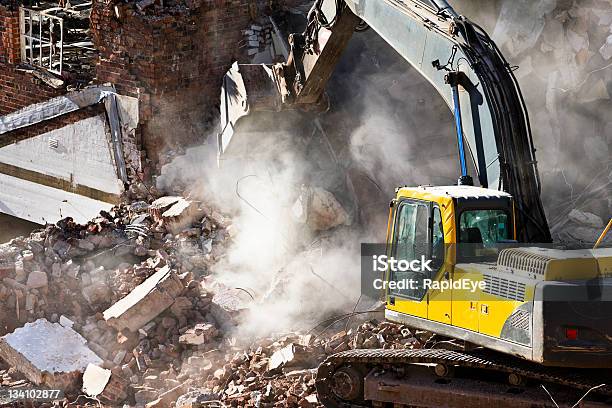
[[146, 301], [199, 334], [152, 303]]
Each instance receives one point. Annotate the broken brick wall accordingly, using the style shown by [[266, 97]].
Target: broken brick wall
[[173, 58], [9, 32], [17, 89]]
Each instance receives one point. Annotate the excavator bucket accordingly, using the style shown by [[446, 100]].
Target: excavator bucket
[[296, 85], [246, 89]]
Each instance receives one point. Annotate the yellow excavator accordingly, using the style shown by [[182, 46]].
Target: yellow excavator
[[539, 328]]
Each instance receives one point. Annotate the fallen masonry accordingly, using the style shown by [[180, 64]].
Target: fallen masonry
[[164, 333], [290, 356], [146, 301], [199, 334], [95, 380], [48, 354]]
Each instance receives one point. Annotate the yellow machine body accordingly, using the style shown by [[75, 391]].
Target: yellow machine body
[[546, 305]]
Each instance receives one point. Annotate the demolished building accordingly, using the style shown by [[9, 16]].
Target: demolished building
[[158, 69], [147, 91]]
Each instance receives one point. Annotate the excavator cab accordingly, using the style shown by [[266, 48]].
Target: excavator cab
[[446, 225], [485, 288]]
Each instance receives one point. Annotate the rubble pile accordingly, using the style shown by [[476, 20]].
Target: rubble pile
[[123, 282], [133, 289], [282, 372], [67, 265]]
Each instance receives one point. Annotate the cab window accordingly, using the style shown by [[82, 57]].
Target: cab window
[[411, 238], [486, 227], [411, 241]]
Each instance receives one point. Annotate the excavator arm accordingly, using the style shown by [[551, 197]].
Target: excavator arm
[[454, 54]]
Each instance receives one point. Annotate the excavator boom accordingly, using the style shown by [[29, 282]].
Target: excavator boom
[[454, 54]]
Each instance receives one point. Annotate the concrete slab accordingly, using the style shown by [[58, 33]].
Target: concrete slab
[[95, 379], [146, 301], [48, 354]]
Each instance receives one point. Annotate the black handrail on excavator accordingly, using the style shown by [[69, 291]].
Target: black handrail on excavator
[[519, 170]]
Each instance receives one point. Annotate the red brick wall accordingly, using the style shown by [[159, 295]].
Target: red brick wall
[[17, 89], [9, 33], [173, 58]]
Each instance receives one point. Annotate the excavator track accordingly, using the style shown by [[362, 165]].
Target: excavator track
[[367, 360]]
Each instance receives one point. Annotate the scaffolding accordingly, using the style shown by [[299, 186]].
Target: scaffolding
[[42, 39], [56, 38]]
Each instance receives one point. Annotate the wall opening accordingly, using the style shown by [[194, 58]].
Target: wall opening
[[57, 39]]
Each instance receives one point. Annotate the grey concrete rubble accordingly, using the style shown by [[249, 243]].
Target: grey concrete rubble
[[65, 356], [146, 301], [164, 332]]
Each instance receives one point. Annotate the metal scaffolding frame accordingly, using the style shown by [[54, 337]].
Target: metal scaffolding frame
[[38, 45]]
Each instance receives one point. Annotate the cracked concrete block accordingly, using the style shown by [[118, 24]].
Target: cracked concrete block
[[48, 354], [145, 302], [95, 379], [319, 209]]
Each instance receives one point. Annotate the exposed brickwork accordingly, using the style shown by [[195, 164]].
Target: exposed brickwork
[[19, 89], [9, 33], [173, 59]]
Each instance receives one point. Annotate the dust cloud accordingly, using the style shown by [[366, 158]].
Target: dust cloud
[[563, 50], [388, 127], [384, 115], [295, 276]]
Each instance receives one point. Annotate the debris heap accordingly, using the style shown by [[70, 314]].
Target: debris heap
[[133, 286]]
